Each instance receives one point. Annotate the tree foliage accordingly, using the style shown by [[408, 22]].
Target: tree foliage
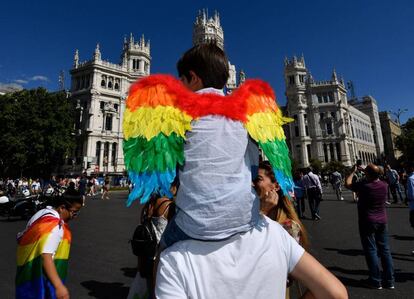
[[405, 142], [36, 132]]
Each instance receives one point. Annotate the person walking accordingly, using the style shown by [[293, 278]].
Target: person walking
[[394, 183], [43, 250], [313, 189], [336, 181], [372, 222], [299, 190], [106, 186], [410, 191]]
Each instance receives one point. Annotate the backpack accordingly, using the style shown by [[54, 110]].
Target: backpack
[[144, 241]]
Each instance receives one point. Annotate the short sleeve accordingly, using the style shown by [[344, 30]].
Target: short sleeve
[[169, 284], [53, 240], [293, 251]]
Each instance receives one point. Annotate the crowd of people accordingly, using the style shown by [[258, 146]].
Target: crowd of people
[[229, 230]]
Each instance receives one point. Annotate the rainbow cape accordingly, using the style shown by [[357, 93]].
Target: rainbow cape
[[31, 283], [159, 112]]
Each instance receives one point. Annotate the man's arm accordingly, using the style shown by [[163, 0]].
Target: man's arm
[[321, 283], [348, 180], [51, 273]]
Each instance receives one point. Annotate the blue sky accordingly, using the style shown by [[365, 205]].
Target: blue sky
[[368, 42]]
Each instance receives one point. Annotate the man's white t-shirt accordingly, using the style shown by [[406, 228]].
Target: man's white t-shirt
[[56, 234], [254, 264]]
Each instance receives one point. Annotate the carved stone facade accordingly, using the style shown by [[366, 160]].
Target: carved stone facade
[[326, 126], [99, 89], [390, 131]]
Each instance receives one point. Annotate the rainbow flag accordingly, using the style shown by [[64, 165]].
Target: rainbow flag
[[31, 283]]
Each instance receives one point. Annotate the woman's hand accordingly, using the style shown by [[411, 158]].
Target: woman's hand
[[268, 200]]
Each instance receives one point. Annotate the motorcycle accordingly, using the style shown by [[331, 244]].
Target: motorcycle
[[23, 206]]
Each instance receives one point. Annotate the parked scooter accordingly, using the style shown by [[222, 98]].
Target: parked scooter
[[23, 206]]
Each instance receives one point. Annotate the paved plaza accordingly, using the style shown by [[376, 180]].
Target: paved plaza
[[102, 265]]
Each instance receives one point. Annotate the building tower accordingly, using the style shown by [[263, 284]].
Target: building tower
[[136, 56], [208, 29], [295, 79]]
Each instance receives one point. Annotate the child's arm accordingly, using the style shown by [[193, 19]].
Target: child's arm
[[51, 273]]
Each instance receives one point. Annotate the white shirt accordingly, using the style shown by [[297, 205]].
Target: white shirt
[[311, 180], [215, 199], [56, 234], [250, 265]]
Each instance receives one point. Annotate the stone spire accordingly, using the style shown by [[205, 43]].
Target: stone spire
[[76, 59], [334, 76], [97, 53]]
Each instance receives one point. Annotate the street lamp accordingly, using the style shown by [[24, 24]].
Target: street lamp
[[398, 113]]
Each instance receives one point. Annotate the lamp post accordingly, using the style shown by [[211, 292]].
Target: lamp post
[[398, 113]]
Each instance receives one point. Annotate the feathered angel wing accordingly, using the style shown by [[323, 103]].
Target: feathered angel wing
[[154, 129], [264, 124]]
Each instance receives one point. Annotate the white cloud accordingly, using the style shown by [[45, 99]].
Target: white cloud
[[39, 78], [21, 81], [10, 87]]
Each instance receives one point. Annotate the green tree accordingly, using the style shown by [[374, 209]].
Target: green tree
[[405, 142], [333, 166], [36, 132], [316, 165]]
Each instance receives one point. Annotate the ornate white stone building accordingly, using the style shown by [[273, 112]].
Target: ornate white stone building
[[326, 125], [100, 88]]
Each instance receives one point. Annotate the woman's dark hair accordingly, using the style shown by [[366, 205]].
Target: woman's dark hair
[[208, 61], [67, 199]]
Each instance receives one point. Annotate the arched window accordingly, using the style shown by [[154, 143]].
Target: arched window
[[110, 84], [106, 153], [108, 122], [134, 64], [113, 158], [103, 82], [98, 152]]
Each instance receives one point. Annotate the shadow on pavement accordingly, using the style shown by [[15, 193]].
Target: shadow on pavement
[[129, 272], [105, 290], [403, 238], [350, 252]]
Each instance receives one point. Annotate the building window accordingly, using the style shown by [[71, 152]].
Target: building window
[[333, 115], [102, 105], [301, 78], [291, 80], [325, 98], [108, 122], [308, 150], [331, 97], [113, 158], [116, 86], [319, 98], [331, 149], [329, 130], [106, 153], [116, 107], [338, 151], [296, 131], [325, 152], [306, 130], [321, 115], [98, 153]]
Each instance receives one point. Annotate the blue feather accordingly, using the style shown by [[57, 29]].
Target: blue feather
[[285, 182], [146, 184]]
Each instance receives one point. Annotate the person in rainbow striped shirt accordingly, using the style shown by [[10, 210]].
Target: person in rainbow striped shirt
[[43, 250]]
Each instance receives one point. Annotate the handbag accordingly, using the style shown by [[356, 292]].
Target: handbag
[[316, 192]]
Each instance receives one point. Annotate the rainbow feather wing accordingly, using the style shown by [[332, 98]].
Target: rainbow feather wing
[[154, 133], [264, 125]]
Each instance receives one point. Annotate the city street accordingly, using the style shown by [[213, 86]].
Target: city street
[[102, 265]]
